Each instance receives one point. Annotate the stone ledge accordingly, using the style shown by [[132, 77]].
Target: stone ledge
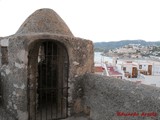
[[106, 96]]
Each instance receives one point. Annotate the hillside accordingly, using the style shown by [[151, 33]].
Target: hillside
[[105, 46]]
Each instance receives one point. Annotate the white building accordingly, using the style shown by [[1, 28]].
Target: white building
[[126, 50], [142, 71], [149, 67], [127, 68]]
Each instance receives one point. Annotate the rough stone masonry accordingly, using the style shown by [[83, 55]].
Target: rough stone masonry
[[81, 95]]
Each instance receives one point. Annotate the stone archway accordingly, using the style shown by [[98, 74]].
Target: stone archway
[[48, 81]]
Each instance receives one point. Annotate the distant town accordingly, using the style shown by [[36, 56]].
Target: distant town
[[134, 62], [135, 51]]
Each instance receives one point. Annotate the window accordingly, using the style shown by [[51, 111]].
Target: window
[[4, 52], [124, 69], [140, 66]]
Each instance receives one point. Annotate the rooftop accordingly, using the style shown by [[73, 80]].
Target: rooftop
[[112, 71], [99, 69]]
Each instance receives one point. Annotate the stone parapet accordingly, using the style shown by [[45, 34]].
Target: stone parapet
[[105, 98]]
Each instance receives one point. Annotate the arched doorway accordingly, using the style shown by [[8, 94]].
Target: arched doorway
[[48, 81]]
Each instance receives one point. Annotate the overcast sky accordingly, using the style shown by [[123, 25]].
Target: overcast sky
[[97, 20]]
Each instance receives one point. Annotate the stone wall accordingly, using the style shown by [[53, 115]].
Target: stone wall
[[14, 79], [101, 98], [20, 72], [16, 75]]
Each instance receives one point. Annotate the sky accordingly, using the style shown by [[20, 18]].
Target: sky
[[96, 20]]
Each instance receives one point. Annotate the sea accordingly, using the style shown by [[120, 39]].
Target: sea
[[99, 58]]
